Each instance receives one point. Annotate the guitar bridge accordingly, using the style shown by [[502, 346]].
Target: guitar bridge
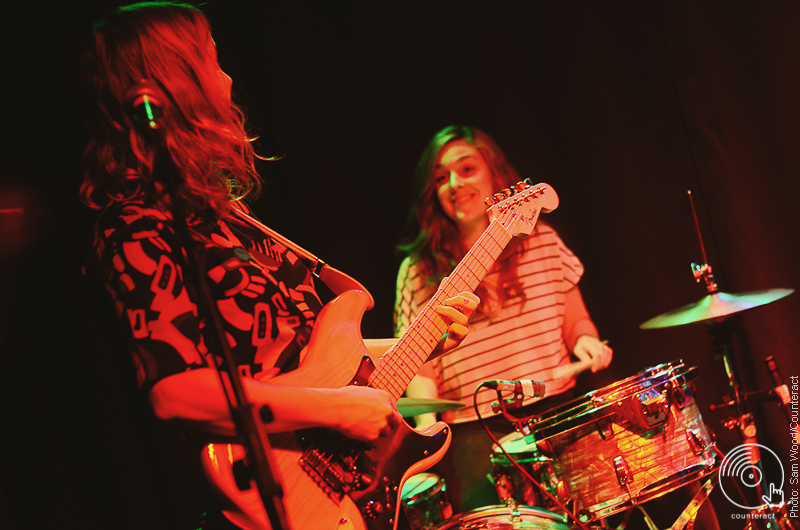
[[336, 463], [319, 468]]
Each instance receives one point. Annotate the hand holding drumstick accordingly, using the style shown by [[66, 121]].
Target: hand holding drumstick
[[591, 352]]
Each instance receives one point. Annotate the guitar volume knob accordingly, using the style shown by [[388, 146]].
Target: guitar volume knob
[[373, 509]]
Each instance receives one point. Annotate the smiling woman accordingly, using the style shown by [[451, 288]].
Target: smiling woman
[[463, 181], [532, 314]]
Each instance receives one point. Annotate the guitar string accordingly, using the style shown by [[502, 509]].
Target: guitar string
[[453, 287], [387, 375], [389, 371], [333, 444]]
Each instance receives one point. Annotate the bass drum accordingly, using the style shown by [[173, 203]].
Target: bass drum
[[506, 518], [629, 442]]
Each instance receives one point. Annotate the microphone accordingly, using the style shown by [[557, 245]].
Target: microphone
[[526, 387], [781, 390], [145, 103]]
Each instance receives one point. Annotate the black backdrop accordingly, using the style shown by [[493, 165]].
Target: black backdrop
[[621, 106]]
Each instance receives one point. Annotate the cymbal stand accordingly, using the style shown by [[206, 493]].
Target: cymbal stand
[[721, 331]]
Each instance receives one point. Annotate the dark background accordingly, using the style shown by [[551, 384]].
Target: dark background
[[621, 106]]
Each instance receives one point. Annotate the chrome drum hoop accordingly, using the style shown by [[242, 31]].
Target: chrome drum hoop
[[506, 518]]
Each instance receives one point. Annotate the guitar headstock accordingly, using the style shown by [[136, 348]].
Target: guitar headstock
[[517, 208]]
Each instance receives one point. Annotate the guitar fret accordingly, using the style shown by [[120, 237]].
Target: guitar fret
[[402, 361], [405, 371]]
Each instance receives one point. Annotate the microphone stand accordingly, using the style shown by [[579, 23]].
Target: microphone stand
[[248, 419]]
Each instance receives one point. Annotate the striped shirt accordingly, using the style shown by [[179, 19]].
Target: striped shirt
[[525, 339]]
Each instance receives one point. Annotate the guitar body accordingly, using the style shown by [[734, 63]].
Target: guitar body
[[330, 482]]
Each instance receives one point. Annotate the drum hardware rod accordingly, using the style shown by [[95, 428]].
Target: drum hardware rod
[[720, 333], [687, 518], [648, 521], [622, 524], [751, 398], [702, 271]]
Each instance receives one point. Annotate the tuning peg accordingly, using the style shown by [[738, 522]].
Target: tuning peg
[[521, 185], [489, 201]]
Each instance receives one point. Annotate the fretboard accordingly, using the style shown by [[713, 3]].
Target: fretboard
[[402, 361]]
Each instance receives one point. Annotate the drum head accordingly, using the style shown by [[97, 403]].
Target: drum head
[[505, 518], [514, 444], [420, 486]]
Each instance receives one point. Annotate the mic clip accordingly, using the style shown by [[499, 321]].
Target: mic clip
[[514, 402], [511, 403]]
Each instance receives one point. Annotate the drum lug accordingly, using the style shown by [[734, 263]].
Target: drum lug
[[562, 492], [585, 516], [605, 427], [677, 395], [623, 471], [651, 409], [696, 442]]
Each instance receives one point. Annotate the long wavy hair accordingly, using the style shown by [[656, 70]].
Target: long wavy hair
[[167, 46], [435, 244]]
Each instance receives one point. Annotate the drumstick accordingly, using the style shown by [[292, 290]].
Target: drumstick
[[572, 369]]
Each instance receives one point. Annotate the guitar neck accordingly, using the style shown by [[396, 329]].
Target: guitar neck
[[402, 361]]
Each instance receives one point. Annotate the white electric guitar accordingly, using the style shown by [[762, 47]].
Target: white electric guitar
[[329, 481]]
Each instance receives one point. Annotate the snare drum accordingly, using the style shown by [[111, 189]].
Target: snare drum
[[424, 501], [629, 442], [511, 485], [506, 518]]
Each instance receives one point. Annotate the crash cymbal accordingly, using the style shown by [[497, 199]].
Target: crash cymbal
[[409, 407], [715, 305]]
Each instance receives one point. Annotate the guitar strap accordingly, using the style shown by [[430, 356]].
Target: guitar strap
[[336, 280]]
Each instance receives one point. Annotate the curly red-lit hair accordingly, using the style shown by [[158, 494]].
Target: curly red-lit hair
[[169, 47]]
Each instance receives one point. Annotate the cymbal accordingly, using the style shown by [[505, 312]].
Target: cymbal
[[715, 305], [409, 407]]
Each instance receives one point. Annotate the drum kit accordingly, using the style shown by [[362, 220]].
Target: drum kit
[[613, 449]]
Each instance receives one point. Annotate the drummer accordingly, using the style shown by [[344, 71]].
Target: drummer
[[532, 320]]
